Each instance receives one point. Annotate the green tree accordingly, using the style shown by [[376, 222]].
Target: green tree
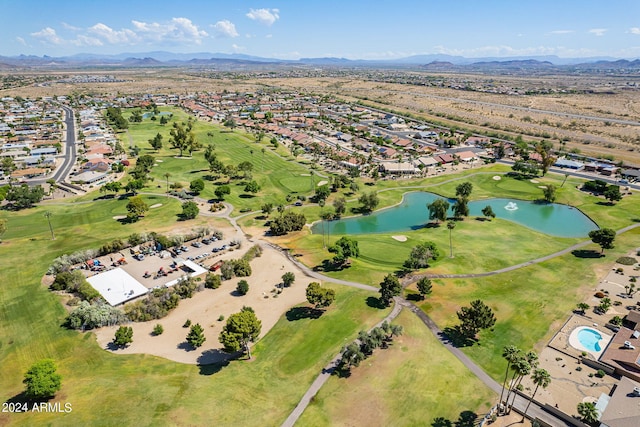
[[287, 222], [588, 412], [322, 193], [540, 377], [124, 336], [246, 168], [369, 202], [252, 187], [156, 142], [136, 208], [340, 206], [582, 307], [318, 296], [510, 353], [421, 254], [42, 380], [242, 287], [221, 191], [164, 120], [288, 278], [23, 196], [549, 192], [196, 186], [158, 329], [461, 207], [267, 208], [196, 337], [182, 138], [438, 210], [190, 210], [604, 237], [352, 355], [212, 281], [474, 318], [389, 288], [612, 194], [424, 286], [487, 211], [464, 189], [343, 249], [241, 329]]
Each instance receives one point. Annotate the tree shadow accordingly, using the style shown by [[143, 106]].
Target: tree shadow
[[374, 302], [328, 266], [603, 203], [186, 346], [22, 399], [298, 313], [414, 297], [212, 369], [441, 422], [247, 196], [457, 339], [114, 347], [586, 253]]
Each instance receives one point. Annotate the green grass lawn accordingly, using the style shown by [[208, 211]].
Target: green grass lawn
[[277, 176], [412, 382]]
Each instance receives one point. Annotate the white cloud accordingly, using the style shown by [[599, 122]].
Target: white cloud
[[112, 36], [561, 32], [180, 30], [599, 32], [635, 30], [83, 40], [264, 16], [48, 35], [21, 41], [238, 48], [225, 28], [70, 27]]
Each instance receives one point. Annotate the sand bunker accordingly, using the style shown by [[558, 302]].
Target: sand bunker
[[497, 177], [321, 183], [400, 238], [119, 217], [534, 181], [542, 186], [157, 205]]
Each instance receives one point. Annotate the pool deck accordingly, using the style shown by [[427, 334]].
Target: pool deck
[[575, 342], [561, 340]]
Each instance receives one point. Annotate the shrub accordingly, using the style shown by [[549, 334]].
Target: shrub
[[626, 260], [599, 294], [158, 329], [616, 320], [600, 373], [243, 287], [187, 323], [212, 281], [124, 336], [96, 315], [221, 318], [254, 252], [241, 268]]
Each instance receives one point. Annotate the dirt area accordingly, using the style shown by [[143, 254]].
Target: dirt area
[[206, 308]]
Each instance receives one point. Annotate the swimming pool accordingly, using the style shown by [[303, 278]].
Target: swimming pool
[[588, 339]]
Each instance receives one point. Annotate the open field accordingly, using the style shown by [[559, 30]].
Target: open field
[[377, 392]]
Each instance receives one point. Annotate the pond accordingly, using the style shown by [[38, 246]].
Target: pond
[[412, 214], [149, 114]]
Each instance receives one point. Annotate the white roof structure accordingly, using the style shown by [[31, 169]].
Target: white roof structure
[[196, 271], [117, 286]]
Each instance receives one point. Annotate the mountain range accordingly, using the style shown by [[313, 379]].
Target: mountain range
[[434, 62]]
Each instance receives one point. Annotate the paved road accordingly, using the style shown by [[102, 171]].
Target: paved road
[[70, 154]]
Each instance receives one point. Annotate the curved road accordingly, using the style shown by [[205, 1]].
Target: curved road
[[70, 154]]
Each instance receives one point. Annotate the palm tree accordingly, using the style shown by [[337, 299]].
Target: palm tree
[[451, 225], [588, 412], [47, 215], [510, 353], [521, 367], [166, 177], [531, 362], [263, 151], [540, 377]]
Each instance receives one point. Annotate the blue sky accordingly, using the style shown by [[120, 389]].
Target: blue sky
[[308, 28]]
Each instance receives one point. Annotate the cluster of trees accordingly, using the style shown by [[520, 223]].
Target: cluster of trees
[[235, 268], [526, 168], [74, 282], [94, 315], [22, 196], [162, 300], [287, 222], [610, 192], [354, 353], [115, 119], [136, 116], [318, 296], [522, 364], [240, 330]]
